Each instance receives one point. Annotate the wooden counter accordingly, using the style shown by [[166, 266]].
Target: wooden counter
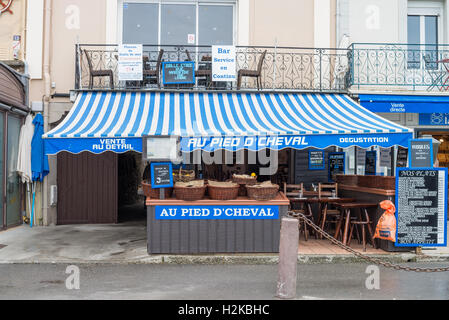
[[238, 233], [381, 192], [280, 200]]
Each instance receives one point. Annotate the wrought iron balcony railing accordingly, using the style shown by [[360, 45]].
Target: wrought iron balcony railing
[[399, 67], [283, 68]]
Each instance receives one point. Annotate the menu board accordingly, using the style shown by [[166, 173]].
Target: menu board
[[420, 153], [178, 72], [401, 157], [370, 163], [336, 164], [161, 175], [421, 207], [316, 160], [385, 157]]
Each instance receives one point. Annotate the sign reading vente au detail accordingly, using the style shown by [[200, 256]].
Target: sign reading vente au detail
[[216, 212]]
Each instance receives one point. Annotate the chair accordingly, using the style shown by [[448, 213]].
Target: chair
[[252, 73], [292, 191], [328, 190], [155, 72], [436, 76], [98, 73], [201, 73]]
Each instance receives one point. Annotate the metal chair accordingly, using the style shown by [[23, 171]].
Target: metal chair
[[252, 73], [98, 73], [435, 74]]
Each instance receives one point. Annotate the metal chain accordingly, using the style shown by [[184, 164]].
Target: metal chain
[[386, 264]]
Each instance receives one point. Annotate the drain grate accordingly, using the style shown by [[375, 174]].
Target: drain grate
[[2, 245]]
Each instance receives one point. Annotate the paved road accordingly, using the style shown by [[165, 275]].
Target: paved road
[[203, 282]]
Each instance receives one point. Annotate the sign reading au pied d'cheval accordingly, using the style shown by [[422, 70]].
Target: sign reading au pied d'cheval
[[421, 207]]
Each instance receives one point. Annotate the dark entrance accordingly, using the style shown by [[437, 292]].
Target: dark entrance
[[87, 188]]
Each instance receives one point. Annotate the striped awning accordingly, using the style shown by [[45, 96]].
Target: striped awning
[[202, 120]]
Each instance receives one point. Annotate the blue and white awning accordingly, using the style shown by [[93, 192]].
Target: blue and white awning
[[117, 121]]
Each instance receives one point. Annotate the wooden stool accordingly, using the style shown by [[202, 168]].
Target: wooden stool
[[303, 225], [362, 224]]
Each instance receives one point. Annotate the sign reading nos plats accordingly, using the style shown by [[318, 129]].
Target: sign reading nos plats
[[421, 207]]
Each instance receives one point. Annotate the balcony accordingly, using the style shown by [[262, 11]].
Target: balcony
[[399, 67], [282, 69]]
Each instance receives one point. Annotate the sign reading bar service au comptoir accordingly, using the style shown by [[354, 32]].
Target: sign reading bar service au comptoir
[[216, 212], [223, 63], [421, 207]]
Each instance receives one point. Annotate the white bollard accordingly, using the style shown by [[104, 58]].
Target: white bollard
[[288, 256]]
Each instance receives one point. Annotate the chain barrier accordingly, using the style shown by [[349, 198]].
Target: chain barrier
[[374, 260]]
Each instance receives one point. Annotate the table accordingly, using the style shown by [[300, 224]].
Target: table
[[323, 204], [346, 212]]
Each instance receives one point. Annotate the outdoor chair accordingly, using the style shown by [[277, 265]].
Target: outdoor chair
[[156, 71], [202, 73], [98, 73], [328, 190], [294, 191], [436, 75], [252, 73]]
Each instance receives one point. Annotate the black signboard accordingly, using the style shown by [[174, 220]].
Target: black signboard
[[401, 158], [421, 155], [336, 164], [316, 159], [421, 207], [178, 72], [161, 175], [370, 163]]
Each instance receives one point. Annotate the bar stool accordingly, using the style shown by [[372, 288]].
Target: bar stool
[[328, 190], [295, 190]]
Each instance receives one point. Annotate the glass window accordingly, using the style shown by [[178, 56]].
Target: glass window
[[12, 180], [178, 23], [431, 38], [413, 39], [215, 25], [140, 23]]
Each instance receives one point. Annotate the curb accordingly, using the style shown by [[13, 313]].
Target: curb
[[237, 259]]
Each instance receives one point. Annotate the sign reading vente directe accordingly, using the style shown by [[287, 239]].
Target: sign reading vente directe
[[216, 212]]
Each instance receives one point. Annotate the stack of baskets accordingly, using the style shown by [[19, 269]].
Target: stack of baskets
[[182, 175], [222, 190], [263, 191], [154, 193], [243, 180], [190, 191]]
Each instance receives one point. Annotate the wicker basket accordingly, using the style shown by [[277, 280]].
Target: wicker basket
[[262, 193], [190, 193], [243, 182], [183, 175], [223, 193], [155, 193]]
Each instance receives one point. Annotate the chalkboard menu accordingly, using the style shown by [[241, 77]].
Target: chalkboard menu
[[316, 159], [161, 175], [420, 153], [421, 207], [370, 163], [336, 164], [178, 72], [401, 158]]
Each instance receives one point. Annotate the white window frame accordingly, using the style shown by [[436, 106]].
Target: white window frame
[[427, 8], [197, 3]]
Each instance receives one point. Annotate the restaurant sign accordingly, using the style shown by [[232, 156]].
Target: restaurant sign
[[178, 72], [130, 63], [216, 212], [223, 63]]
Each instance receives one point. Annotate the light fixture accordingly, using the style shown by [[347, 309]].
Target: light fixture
[[441, 140]]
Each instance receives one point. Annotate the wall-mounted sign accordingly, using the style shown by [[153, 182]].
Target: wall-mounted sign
[[130, 63], [401, 157], [370, 163], [434, 119], [182, 72], [336, 164], [420, 153], [216, 212], [316, 160], [385, 157], [161, 148], [161, 175], [223, 63], [421, 207]]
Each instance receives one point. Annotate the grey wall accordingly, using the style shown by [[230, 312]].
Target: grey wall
[[302, 172]]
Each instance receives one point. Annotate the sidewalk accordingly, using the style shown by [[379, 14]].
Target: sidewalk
[[125, 243]]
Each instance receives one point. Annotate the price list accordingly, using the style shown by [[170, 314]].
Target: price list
[[421, 207]]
